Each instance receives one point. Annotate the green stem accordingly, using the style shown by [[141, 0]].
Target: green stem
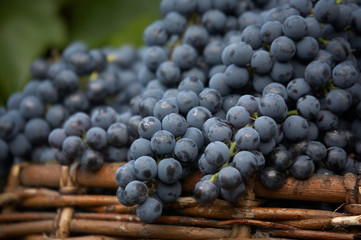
[[214, 177], [292, 112], [339, 1], [322, 41], [232, 153]]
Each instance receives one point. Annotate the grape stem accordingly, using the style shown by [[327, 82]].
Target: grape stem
[[292, 112], [232, 153]]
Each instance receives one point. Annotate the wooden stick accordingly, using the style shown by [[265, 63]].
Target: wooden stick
[[8, 231], [26, 216], [346, 221], [310, 224], [258, 223], [146, 230], [259, 213], [309, 234], [69, 200], [41, 237], [319, 187]]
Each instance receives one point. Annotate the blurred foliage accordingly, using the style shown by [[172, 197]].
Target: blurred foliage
[[32, 29]]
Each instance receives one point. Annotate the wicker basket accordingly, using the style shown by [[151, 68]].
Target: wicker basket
[[54, 202]]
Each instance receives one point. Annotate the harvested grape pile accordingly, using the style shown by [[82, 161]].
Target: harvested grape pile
[[229, 88]]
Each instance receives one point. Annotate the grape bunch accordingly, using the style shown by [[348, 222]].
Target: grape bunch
[[231, 88]]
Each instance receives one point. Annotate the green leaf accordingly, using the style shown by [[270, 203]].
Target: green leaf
[[26, 29], [111, 22]]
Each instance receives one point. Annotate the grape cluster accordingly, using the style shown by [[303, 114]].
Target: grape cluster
[[230, 88]]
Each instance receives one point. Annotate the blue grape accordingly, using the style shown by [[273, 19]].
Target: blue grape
[[295, 27], [304, 6], [169, 170], [282, 72], [297, 88], [326, 11], [76, 102], [229, 178], [114, 154], [103, 117], [307, 48], [344, 75], [247, 138], [155, 34], [238, 116], [216, 153], [214, 20], [314, 28], [338, 101], [31, 107], [272, 178], [197, 116], [336, 138], [39, 68], [274, 106], [146, 106], [122, 198], [117, 135], [295, 128], [236, 77], [168, 73], [141, 147], [175, 124], [73, 147], [154, 56], [4, 153], [283, 49], [148, 126], [62, 158], [218, 82], [175, 23], [20, 146], [136, 192], [196, 135], [261, 62], [196, 36], [124, 175], [239, 53], [219, 131], [169, 192], [162, 142], [212, 52], [271, 30], [96, 91], [246, 163], [186, 100], [186, 150], [47, 92], [145, 168], [249, 102], [184, 56], [339, 48], [276, 88], [206, 168], [302, 167], [133, 124], [266, 128], [308, 106], [66, 82], [91, 159], [251, 35], [150, 210], [96, 138], [210, 99], [205, 192], [14, 100], [191, 83], [336, 159], [164, 107], [235, 194], [280, 159], [37, 131]]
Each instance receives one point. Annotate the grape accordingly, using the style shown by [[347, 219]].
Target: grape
[[239, 53], [229, 178], [218, 82], [281, 72], [246, 163], [31, 107], [236, 77], [276, 88], [304, 6], [91, 159], [216, 153], [238, 116], [316, 151], [204, 167], [124, 175], [141, 147], [20, 146], [317, 73], [114, 154], [169, 170], [307, 48], [196, 135], [235, 194], [73, 147], [155, 34], [191, 83], [76, 102], [266, 128], [174, 23], [326, 120], [302, 167], [283, 49], [261, 62], [136, 192], [47, 92], [37, 131], [271, 30], [145, 168], [66, 82], [148, 126], [197, 116], [77, 124], [164, 107], [249, 102], [295, 27], [214, 20], [326, 11], [280, 159], [271, 178], [205, 192], [247, 138], [122, 198], [184, 56], [295, 128], [274, 106], [96, 138], [162, 142], [339, 49], [308, 106], [344, 75], [169, 192], [251, 35], [117, 134], [150, 210], [103, 117], [185, 150], [338, 101], [196, 36], [154, 56], [212, 52], [336, 159], [219, 131]]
